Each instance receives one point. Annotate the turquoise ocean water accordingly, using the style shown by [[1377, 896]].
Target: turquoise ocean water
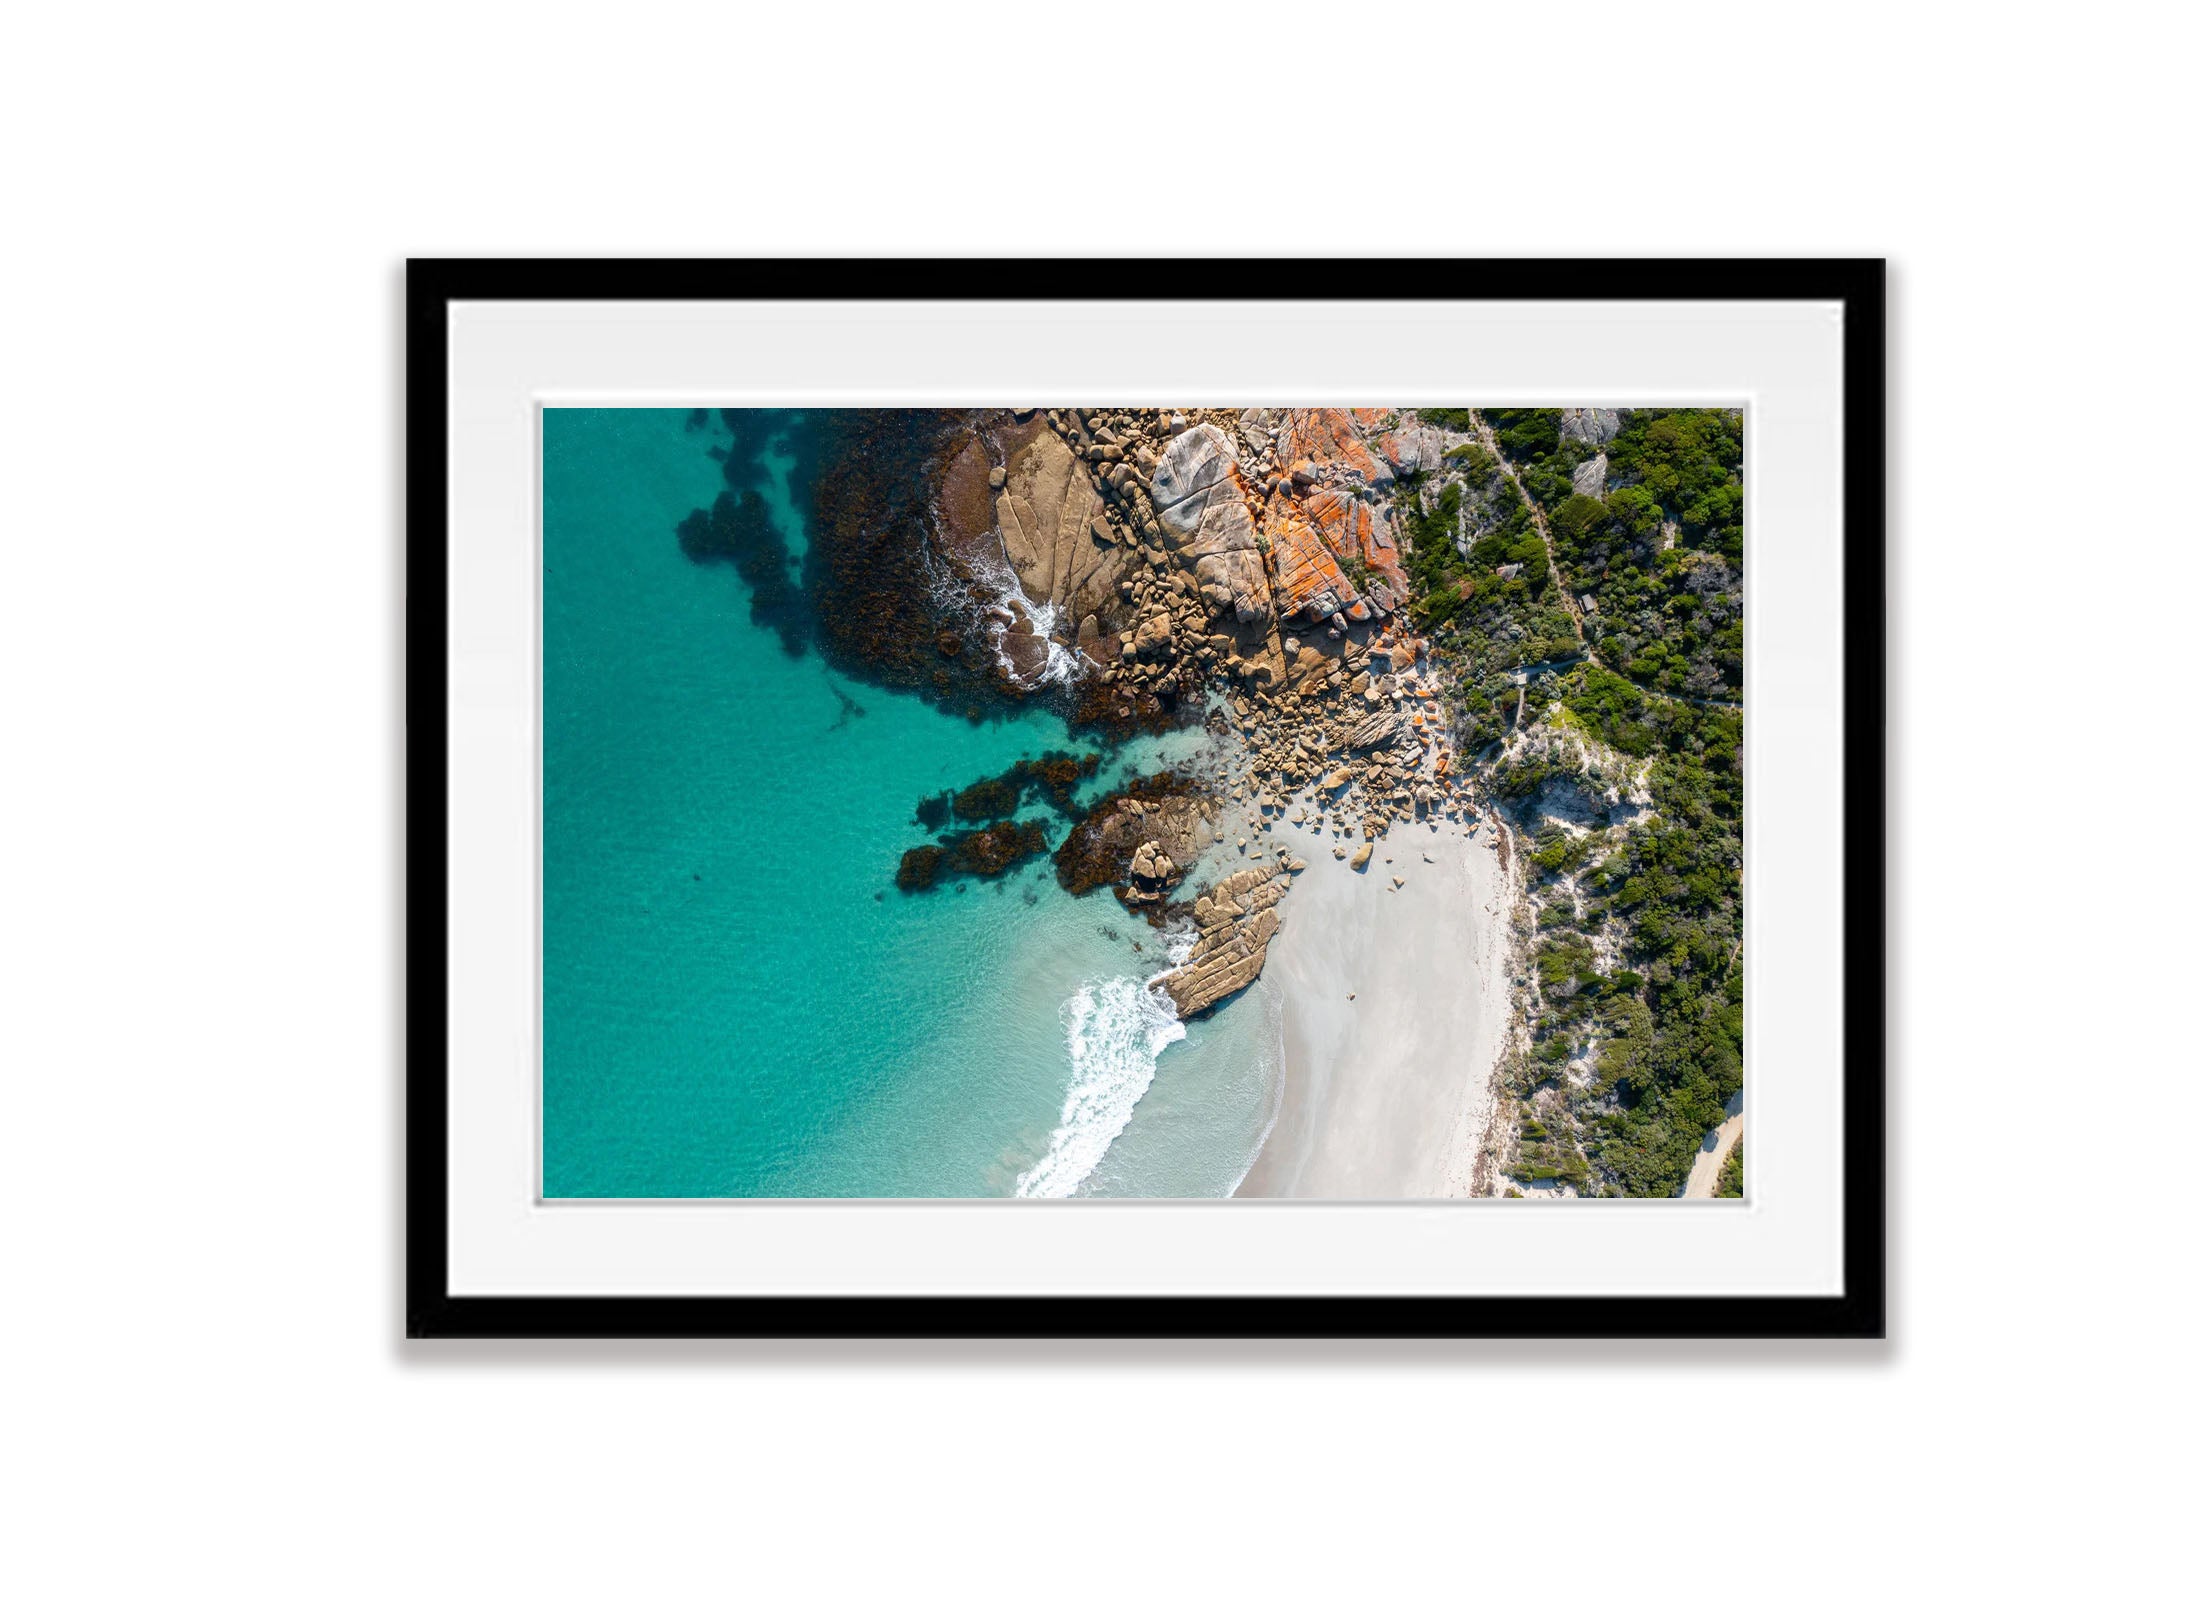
[[736, 999]]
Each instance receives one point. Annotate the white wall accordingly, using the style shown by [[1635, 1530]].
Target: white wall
[[207, 207]]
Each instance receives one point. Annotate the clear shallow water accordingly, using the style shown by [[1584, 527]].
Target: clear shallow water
[[736, 998]]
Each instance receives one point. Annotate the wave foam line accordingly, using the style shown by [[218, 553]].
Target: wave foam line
[[1003, 591], [1117, 1030]]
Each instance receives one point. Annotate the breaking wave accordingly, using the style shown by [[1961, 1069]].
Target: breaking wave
[[1000, 604], [1117, 1030], [1063, 664]]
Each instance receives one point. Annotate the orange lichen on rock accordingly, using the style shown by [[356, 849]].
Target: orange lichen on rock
[[1306, 580], [1326, 436], [1353, 527]]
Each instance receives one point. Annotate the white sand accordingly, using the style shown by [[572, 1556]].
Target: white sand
[[1386, 1095]]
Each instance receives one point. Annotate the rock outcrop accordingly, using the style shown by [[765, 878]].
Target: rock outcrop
[[1024, 650], [1413, 450], [1325, 436], [1167, 813], [1250, 551], [1358, 528], [1206, 522], [1593, 426], [1309, 587], [1324, 514], [1152, 875], [1235, 919], [1044, 512], [1378, 728], [1033, 522]]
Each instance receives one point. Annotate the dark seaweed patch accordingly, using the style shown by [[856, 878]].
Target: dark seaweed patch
[[1054, 774], [981, 853], [738, 529]]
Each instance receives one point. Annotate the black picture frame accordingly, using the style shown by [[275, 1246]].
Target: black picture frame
[[432, 1311]]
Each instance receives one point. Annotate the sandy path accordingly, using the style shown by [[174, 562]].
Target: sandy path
[[1703, 1177], [1386, 1095]]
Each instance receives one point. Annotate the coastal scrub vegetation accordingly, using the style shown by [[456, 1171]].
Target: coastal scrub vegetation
[[1480, 583], [1453, 421], [1688, 465], [1652, 1011], [1658, 558], [1636, 1021], [1730, 1176]]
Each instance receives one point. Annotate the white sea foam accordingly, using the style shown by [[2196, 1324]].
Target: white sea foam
[[1063, 664], [1117, 1030], [1000, 590], [943, 588]]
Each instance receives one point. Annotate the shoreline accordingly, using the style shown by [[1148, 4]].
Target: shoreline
[[1395, 1011]]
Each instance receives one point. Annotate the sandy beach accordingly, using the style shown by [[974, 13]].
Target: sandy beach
[[1394, 1012]]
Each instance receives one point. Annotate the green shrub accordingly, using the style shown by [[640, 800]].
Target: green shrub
[[1477, 463], [1730, 1176], [1525, 435]]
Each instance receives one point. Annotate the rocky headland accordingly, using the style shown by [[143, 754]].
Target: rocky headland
[[1148, 568], [1384, 618]]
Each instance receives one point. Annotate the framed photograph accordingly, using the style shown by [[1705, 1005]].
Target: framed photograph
[[1145, 798]]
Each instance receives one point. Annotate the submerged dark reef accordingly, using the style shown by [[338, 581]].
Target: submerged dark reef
[[1055, 775], [989, 851], [981, 853], [872, 593], [738, 529]]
